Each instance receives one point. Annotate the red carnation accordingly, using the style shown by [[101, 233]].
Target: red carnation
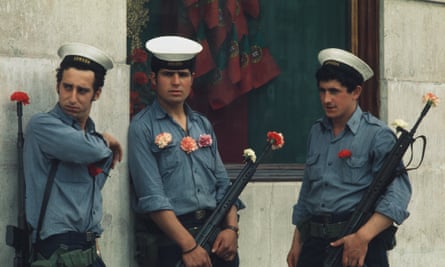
[[20, 96], [276, 139], [93, 170], [344, 154]]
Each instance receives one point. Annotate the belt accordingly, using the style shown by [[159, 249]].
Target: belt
[[328, 226], [197, 215], [328, 218], [326, 231], [71, 237], [71, 240]]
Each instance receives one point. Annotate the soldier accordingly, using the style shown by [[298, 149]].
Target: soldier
[[175, 166], [346, 148], [63, 145]]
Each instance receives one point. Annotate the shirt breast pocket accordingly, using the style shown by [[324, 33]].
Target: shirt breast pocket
[[356, 170], [313, 170], [167, 157]]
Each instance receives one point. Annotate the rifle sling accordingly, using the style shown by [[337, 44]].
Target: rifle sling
[[49, 185]]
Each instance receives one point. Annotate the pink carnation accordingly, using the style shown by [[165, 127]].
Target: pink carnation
[[163, 139], [205, 140], [188, 144]]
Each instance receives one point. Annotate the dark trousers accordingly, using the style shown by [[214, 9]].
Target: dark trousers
[[314, 252], [68, 241], [170, 255], [157, 250]]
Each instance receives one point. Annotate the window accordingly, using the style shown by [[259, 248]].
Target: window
[[292, 33]]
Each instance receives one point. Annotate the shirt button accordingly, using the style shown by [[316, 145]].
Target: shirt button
[[329, 163], [322, 205]]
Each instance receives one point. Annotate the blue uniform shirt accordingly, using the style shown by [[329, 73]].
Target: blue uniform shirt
[[169, 178], [336, 185], [75, 202]]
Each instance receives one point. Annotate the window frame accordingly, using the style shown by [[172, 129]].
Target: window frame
[[364, 42]]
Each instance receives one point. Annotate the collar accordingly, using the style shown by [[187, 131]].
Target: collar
[[58, 112], [160, 113], [353, 122]]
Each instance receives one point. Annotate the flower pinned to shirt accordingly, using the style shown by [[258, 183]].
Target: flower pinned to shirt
[[249, 154], [277, 139], [188, 144], [93, 170], [344, 154], [163, 139], [21, 97], [431, 99], [205, 140]]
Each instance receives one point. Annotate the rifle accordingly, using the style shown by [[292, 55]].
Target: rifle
[[390, 170], [208, 233], [18, 236]]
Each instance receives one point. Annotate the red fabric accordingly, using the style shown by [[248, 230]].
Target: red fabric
[[229, 124], [246, 83], [204, 60], [240, 21], [231, 8], [263, 66], [251, 7], [211, 13], [216, 36], [233, 61], [222, 92], [194, 14], [188, 3]]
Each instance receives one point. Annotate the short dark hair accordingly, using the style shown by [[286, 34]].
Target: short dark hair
[[99, 73], [156, 64], [344, 74]]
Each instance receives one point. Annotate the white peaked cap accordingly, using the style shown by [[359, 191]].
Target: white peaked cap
[[173, 48], [347, 58], [86, 51]]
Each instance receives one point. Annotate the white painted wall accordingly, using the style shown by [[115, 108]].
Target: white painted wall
[[30, 34], [413, 60]]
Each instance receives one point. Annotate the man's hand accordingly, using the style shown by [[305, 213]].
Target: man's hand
[[198, 257], [294, 252], [115, 146], [354, 250], [226, 245]]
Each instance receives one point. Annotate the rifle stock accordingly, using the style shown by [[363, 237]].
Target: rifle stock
[[208, 233], [384, 177]]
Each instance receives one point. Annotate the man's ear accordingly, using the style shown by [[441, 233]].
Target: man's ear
[[357, 92], [152, 78], [97, 94]]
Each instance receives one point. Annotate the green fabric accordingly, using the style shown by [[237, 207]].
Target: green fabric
[[294, 32]]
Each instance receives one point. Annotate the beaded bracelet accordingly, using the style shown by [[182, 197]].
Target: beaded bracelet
[[190, 250]]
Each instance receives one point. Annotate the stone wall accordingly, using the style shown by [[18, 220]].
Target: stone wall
[[31, 32]]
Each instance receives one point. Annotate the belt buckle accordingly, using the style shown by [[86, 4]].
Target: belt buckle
[[90, 236], [326, 218], [200, 214]]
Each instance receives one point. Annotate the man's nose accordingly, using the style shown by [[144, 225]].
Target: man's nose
[[73, 96], [326, 97], [175, 78]]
